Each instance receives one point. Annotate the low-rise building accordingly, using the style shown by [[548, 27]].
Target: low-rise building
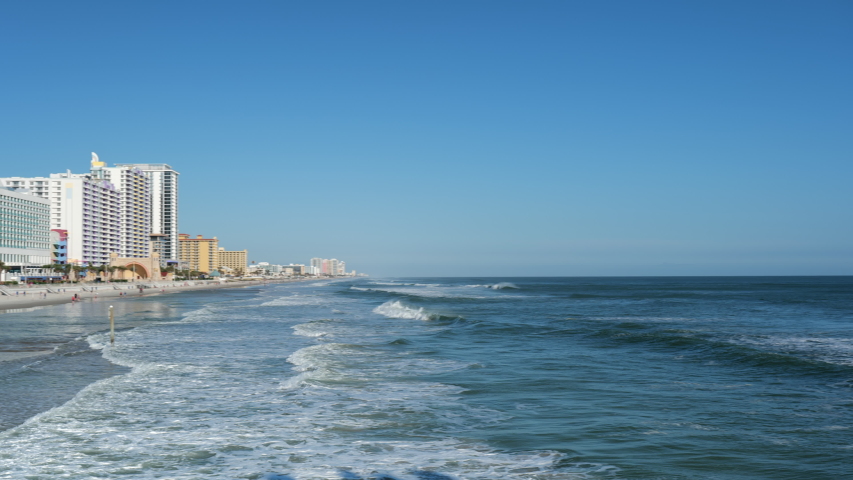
[[24, 230], [234, 262]]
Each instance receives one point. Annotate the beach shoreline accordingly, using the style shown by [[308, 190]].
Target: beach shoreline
[[25, 297]]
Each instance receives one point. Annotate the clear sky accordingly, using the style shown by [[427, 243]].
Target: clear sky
[[484, 138]]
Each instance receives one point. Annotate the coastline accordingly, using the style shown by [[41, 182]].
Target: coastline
[[39, 296]]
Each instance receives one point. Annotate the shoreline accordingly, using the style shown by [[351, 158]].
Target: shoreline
[[40, 296]]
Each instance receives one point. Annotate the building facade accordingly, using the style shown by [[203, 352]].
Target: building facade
[[135, 211], [201, 254], [235, 262], [59, 244], [85, 207], [163, 180], [24, 229]]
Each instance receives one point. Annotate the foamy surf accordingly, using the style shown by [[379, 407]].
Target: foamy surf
[[396, 309], [270, 387]]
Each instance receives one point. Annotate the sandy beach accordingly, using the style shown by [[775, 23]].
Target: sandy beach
[[22, 296]]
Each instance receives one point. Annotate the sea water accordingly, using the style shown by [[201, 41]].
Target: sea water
[[437, 379]]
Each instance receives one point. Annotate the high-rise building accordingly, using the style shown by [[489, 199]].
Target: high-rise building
[[135, 210], [85, 207], [235, 261], [24, 229], [201, 254], [105, 211], [164, 204], [324, 266]]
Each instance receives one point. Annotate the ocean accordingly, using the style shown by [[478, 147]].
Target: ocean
[[438, 379]]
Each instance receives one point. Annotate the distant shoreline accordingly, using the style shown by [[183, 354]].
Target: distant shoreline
[[39, 296]]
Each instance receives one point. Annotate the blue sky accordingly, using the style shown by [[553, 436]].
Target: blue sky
[[484, 138]]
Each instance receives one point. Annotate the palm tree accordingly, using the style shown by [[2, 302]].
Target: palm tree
[[77, 269], [112, 269], [2, 269]]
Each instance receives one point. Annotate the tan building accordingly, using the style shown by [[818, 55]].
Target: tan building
[[202, 254], [137, 268], [234, 262]]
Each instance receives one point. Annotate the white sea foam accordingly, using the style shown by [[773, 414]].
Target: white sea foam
[[396, 309], [837, 351], [212, 401]]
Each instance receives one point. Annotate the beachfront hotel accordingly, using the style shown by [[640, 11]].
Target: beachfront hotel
[[134, 191], [163, 181], [105, 211], [85, 207], [201, 254], [236, 262], [24, 230]]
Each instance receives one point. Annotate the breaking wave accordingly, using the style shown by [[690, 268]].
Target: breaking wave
[[397, 309]]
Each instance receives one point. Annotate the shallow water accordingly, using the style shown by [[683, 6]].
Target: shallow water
[[430, 379]]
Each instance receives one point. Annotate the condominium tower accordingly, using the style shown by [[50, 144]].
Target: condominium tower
[[164, 205], [134, 207]]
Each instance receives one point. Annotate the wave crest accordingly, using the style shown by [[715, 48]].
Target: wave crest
[[396, 309]]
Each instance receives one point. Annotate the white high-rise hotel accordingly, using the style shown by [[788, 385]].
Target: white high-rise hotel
[[164, 205], [134, 191]]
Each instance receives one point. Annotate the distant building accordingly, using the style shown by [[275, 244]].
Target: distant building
[[293, 269], [324, 266], [235, 261], [24, 230], [202, 254]]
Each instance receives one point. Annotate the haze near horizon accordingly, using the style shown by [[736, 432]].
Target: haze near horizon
[[461, 138]]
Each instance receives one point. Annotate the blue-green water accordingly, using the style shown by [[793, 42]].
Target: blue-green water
[[435, 378]]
